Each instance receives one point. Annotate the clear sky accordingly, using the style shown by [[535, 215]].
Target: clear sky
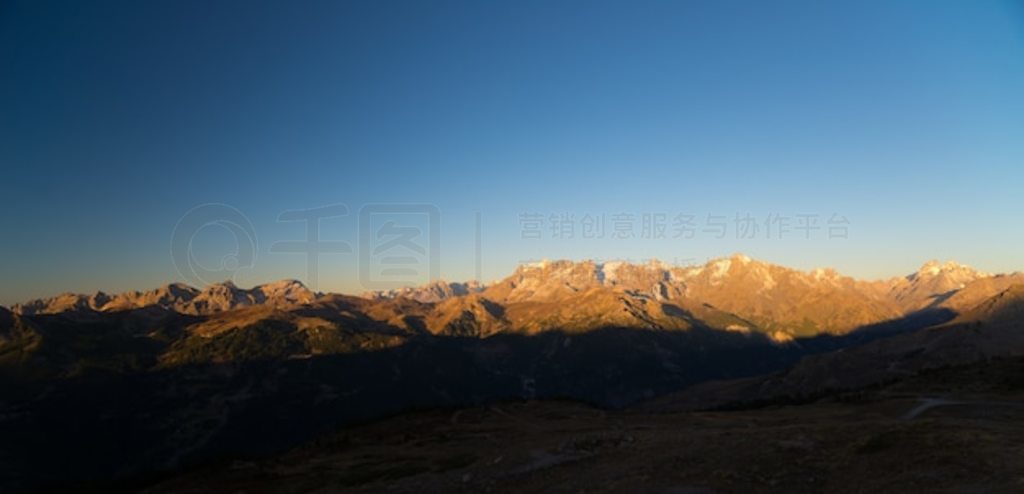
[[905, 119]]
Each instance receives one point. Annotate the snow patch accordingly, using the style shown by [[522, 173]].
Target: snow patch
[[536, 265], [608, 271], [721, 268], [738, 328]]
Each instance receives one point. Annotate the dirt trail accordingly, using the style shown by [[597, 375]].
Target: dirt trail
[[929, 402]]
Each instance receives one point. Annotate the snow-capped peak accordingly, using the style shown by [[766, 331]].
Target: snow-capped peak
[[950, 268]]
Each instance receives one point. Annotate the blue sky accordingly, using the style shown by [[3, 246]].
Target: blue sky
[[905, 118]]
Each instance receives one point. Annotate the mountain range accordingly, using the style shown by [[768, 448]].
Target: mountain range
[[174, 377], [734, 294], [177, 297]]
